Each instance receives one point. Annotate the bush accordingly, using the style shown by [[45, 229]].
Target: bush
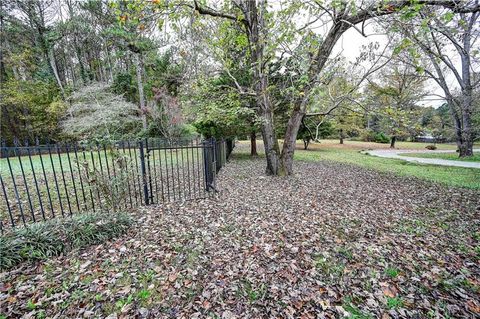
[[381, 138], [367, 135], [114, 189], [54, 237], [97, 114]]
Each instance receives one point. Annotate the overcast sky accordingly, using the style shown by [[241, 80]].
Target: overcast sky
[[351, 43]]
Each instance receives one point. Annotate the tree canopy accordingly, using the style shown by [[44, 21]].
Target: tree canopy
[[238, 68]]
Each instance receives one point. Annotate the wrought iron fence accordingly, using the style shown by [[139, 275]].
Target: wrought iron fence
[[48, 181]]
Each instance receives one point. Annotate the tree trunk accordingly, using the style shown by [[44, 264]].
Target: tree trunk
[[467, 149], [306, 142], [290, 139], [256, 27], [141, 96], [295, 120], [270, 142], [53, 66], [467, 136], [83, 72], [253, 144], [341, 136], [109, 61], [392, 141]]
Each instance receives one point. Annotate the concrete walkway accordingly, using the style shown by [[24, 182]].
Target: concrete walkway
[[434, 161]]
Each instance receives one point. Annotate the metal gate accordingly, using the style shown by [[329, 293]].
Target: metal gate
[[181, 170]]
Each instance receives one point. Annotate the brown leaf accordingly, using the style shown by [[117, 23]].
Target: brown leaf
[[172, 277], [389, 291], [206, 304], [473, 306]]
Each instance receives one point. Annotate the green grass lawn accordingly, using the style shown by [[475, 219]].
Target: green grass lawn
[[98, 159], [372, 145], [446, 156], [349, 153]]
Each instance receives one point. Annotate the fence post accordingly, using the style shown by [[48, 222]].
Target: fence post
[[224, 148], [208, 160], [144, 172], [229, 147], [149, 172]]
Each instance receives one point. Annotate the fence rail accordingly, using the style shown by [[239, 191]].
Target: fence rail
[[43, 182]]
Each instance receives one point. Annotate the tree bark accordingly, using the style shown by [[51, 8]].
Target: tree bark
[[467, 136], [467, 149], [141, 95], [253, 144], [255, 28], [306, 142], [53, 66], [392, 141], [290, 138]]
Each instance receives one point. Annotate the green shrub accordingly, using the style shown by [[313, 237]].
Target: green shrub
[[381, 138], [43, 240], [367, 135]]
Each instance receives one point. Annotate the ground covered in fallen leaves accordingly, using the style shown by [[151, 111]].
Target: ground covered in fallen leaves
[[332, 241]]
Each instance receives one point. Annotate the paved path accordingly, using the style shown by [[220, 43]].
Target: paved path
[[434, 161]]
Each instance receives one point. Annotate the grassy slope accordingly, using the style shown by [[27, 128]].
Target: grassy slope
[[330, 150], [446, 156]]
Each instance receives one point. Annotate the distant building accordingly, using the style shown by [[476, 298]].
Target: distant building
[[427, 138]]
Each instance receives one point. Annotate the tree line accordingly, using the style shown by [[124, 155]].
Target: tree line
[[240, 67]]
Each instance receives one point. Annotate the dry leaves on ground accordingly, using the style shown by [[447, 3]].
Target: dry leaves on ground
[[332, 241]]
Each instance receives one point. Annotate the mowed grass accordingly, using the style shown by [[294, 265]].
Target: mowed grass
[[359, 145], [446, 156], [331, 150], [100, 159]]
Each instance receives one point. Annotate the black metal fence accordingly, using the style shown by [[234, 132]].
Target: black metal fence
[[42, 182]]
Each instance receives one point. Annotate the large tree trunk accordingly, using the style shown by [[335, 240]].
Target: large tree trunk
[[141, 95], [466, 148], [270, 142], [318, 62], [290, 139], [253, 144], [256, 27]]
